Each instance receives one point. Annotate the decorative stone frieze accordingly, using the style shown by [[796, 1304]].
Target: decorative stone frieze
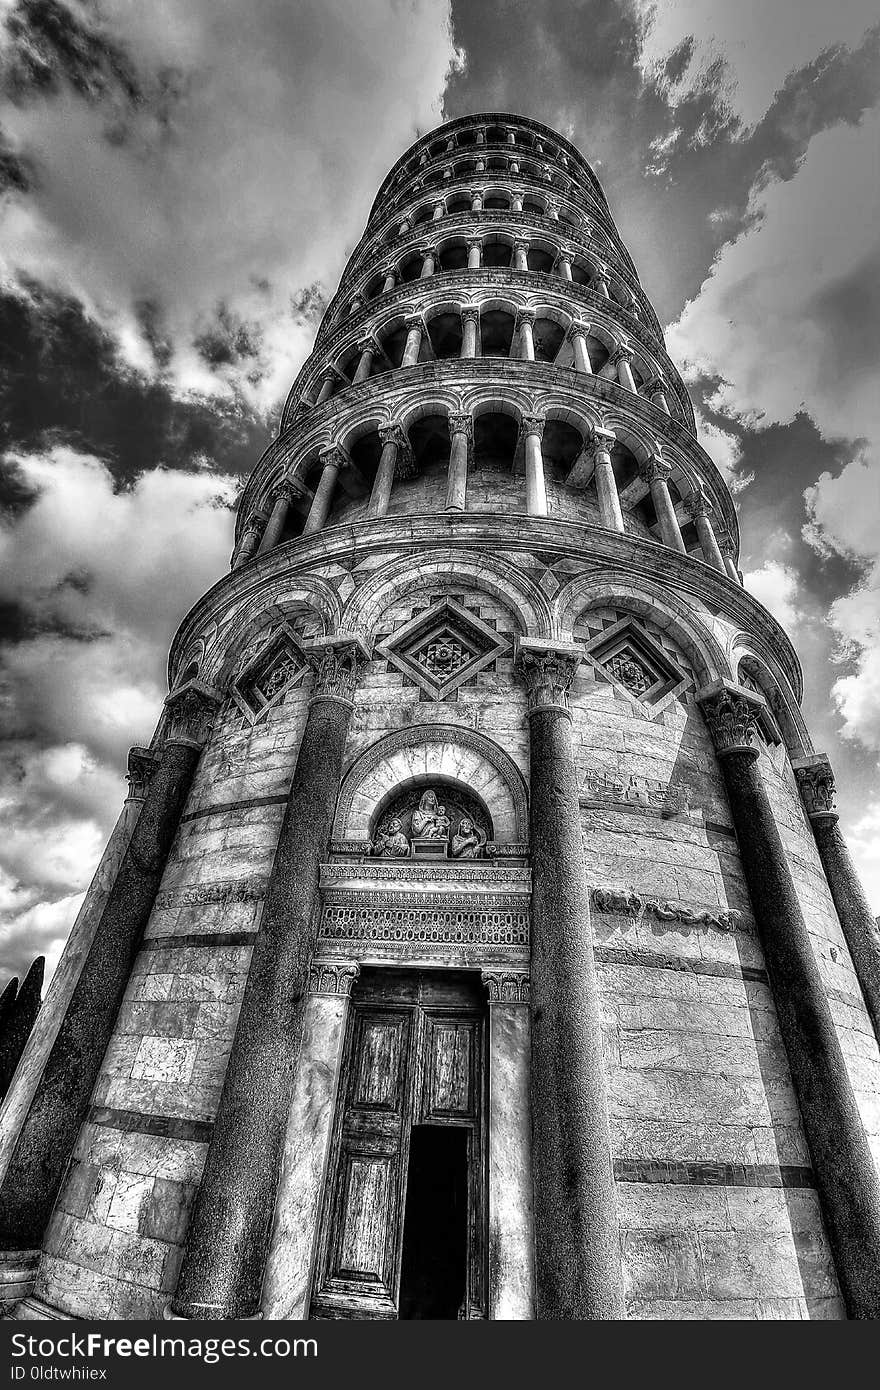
[[626, 903]]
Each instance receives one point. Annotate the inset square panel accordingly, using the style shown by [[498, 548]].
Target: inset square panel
[[443, 647]]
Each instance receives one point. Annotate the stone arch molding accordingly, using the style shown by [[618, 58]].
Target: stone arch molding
[[434, 750]]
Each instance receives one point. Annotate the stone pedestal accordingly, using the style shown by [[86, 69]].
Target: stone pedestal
[[222, 1271], [577, 1244], [844, 1166], [61, 1098]]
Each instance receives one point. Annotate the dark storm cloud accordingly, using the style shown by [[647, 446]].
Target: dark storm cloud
[[49, 44]]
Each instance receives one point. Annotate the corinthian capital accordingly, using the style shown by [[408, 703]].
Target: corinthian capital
[[190, 712], [462, 424], [547, 670], [697, 503], [655, 470], [142, 764], [337, 663], [731, 714], [815, 779]]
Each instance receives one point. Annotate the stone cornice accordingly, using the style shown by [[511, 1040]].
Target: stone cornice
[[595, 547]]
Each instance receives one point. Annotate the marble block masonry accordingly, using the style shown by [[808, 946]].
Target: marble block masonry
[[478, 939]]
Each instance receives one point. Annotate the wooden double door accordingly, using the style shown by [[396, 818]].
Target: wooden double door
[[403, 1227]]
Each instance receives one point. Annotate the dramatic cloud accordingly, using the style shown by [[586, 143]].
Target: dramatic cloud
[[194, 171]]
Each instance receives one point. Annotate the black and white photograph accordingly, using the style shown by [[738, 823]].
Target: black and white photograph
[[439, 673]]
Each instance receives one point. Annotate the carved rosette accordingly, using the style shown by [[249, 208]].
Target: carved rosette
[[337, 664], [506, 986], [815, 780], [190, 714], [333, 976], [547, 674], [732, 722], [141, 766]]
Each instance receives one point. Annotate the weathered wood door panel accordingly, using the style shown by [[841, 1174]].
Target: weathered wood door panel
[[413, 1056]]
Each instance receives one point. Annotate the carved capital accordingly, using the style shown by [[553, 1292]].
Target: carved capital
[[424, 251], [506, 986], [565, 253], [285, 492], [333, 457], [462, 424], [367, 344], [731, 713], [622, 353], [600, 442], [471, 314], [142, 763], [815, 779], [333, 977], [521, 246], [337, 663], [254, 525], [697, 504], [393, 434], [414, 321], [525, 316], [547, 670], [655, 470], [578, 329], [190, 713], [532, 424]]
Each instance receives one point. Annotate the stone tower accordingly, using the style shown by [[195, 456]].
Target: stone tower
[[477, 939]]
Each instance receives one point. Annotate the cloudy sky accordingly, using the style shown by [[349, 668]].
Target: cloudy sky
[[181, 182]]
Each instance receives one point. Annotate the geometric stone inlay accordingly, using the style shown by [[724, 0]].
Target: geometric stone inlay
[[443, 647], [632, 661], [265, 681]]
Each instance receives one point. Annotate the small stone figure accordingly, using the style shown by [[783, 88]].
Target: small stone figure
[[469, 842], [430, 821], [391, 843]]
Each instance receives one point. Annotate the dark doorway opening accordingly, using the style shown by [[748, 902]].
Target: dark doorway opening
[[434, 1267]]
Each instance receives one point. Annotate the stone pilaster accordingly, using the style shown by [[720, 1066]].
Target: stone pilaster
[[61, 1097], [227, 1242], [815, 780], [845, 1173], [577, 1249]]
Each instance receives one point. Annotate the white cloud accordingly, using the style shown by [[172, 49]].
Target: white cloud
[[86, 558], [760, 43], [776, 586], [863, 839], [261, 169]]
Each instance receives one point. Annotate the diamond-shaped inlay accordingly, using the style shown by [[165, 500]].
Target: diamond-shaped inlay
[[442, 647], [635, 663], [263, 683]]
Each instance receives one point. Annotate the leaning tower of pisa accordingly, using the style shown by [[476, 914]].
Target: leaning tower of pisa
[[477, 939]]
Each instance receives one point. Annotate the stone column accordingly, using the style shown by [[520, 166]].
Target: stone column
[[222, 1271], [699, 507], [439, 210], [475, 251], [141, 764], [429, 256], [511, 136], [553, 212], [61, 1097], [250, 539], [414, 330], [461, 433], [404, 227], [368, 348], [356, 304], [845, 1173], [307, 1140], [599, 445], [470, 318], [726, 545], [815, 781], [600, 284], [563, 262], [328, 384], [577, 1246], [525, 323], [517, 201], [511, 1227], [331, 461], [390, 279], [277, 518], [480, 165], [481, 137], [520, 255], [655, 390], [394, 442], [578, 335], [477, 203], [536, 490], [622, 360], [656, 473]]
